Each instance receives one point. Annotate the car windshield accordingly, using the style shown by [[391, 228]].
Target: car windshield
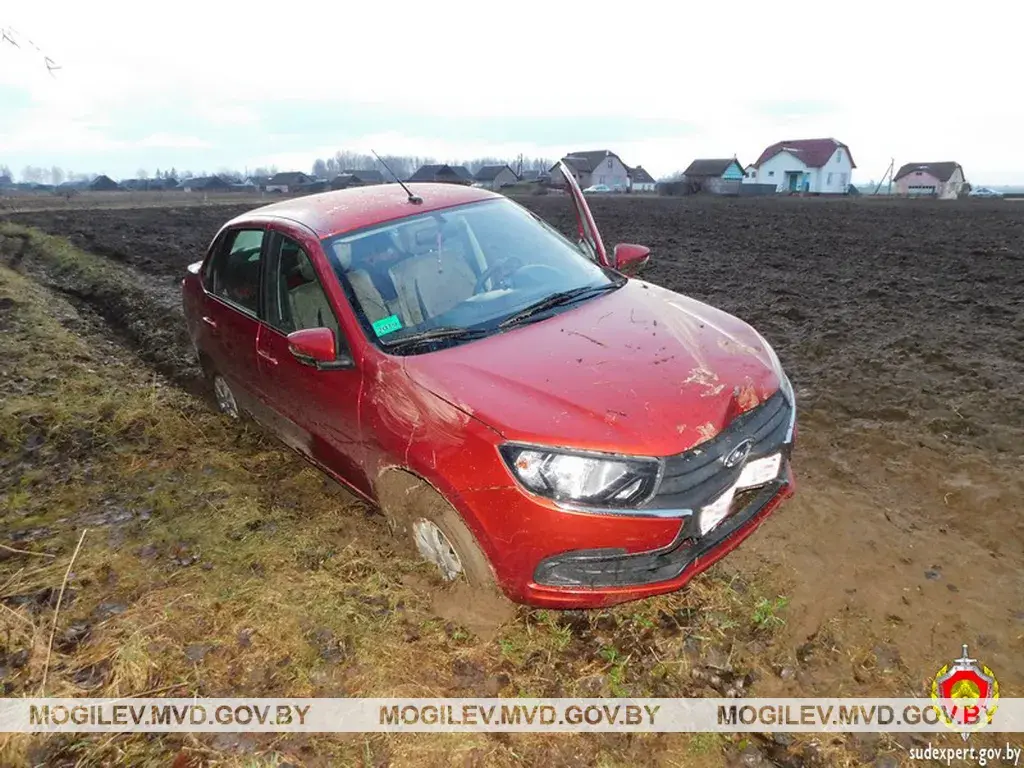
[[450, 276]]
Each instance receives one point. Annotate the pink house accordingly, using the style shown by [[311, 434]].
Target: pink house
[[942, 180]]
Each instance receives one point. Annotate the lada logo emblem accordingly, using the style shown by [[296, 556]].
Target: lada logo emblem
[[739, 454]]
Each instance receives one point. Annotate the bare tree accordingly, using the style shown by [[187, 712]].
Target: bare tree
[[142, 173], [56, 175], [30, 174]]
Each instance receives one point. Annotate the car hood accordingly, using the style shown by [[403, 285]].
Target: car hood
[[641, 370]]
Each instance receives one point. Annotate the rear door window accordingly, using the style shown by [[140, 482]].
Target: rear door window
[[235, 273]]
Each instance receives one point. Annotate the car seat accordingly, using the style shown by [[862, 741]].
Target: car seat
[[308, 302]]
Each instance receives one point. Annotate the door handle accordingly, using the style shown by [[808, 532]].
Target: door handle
[[267, 356], [210, 321]]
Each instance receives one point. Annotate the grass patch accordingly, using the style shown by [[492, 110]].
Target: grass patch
[[218, 563]]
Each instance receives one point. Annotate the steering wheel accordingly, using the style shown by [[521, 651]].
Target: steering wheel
[[538, 270], [504, 269]]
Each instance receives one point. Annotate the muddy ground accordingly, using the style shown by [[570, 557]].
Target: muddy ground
[[902, 327]]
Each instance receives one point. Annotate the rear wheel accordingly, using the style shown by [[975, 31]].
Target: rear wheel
[[224, 397]]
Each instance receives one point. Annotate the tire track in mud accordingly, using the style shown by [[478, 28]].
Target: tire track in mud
[[143, 313]]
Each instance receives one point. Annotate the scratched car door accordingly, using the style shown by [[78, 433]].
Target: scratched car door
[[316, 409]]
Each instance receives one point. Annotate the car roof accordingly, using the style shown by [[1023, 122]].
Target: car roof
[[332, 213]]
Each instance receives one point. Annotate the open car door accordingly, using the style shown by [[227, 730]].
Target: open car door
[[589, 238]]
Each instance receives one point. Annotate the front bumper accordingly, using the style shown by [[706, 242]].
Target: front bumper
[[548, 556], [597, 577]]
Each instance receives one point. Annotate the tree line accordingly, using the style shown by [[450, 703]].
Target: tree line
[[403, 165], [406, 165]]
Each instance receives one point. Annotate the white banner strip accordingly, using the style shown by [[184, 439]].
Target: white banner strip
[[352, 715]]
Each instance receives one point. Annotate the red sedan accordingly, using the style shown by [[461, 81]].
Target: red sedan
[[527, 416]]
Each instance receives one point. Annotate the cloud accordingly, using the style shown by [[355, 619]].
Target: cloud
[[647, 82], [173, 141]]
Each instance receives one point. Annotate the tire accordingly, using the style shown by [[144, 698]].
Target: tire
[[427, 526], [223, 397]]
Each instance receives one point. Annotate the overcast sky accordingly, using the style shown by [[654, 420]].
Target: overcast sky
[[198, 85]]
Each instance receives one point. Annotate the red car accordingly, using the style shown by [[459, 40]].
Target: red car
[[526, 415]]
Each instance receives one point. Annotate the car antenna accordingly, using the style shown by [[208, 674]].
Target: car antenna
[[414, 199]]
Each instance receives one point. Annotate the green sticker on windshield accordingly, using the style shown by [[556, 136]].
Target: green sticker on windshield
[[388, 324]]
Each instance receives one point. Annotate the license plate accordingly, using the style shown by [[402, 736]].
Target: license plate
[[757, 472]]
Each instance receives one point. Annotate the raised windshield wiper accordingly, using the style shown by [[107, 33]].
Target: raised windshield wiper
[[557, 300], [434, 334]]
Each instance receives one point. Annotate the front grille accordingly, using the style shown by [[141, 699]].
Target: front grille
[[596, 568], [697, 476]]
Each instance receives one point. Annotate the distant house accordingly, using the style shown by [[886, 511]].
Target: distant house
[[640, 180], [447, 174], [718, 176], [537, 176], [363, 178], [495, 176], [943, 180], [103, 183], [147, 185], [817, 166], [599, 166], [343, 181], [750, 174], [311, 187], [287, 181], [205, 184]]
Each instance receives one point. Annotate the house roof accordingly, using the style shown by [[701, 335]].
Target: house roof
[[640, 176], [441, 170], [204, 182], [289, 177], [490, 172], [364, 176], [710, 166], [588, 160], [813, 153], [103, 182], [941, 171]]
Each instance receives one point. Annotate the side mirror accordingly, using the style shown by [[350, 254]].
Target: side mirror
[[316, 347], [629, 258]]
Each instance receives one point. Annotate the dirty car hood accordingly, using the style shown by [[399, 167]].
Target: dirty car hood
[[641, 370]]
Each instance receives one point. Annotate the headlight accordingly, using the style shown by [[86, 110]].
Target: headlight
[[585, 479], [784, 383]]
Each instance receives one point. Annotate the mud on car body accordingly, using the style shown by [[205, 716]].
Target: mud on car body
[[528, 416]]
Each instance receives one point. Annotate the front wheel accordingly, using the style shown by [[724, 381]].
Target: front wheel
[[424, 522]]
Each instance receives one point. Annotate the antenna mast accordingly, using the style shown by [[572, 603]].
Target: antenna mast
[[414, 199]]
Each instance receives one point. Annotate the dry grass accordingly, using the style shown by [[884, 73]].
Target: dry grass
[[219, 564]]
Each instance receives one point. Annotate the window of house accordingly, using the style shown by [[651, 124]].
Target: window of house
[[829, 179], [839, 156], [771, 173], [235, 273], [842, 180], [295, 299], [609, 162]]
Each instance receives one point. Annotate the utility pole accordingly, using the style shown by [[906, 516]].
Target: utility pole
[[888, 173]]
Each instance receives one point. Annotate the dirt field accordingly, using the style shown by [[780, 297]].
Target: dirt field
[[901, 325]]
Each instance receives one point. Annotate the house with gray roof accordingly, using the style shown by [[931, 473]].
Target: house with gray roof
[[494, 177], [443, 173], [595, 166]]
